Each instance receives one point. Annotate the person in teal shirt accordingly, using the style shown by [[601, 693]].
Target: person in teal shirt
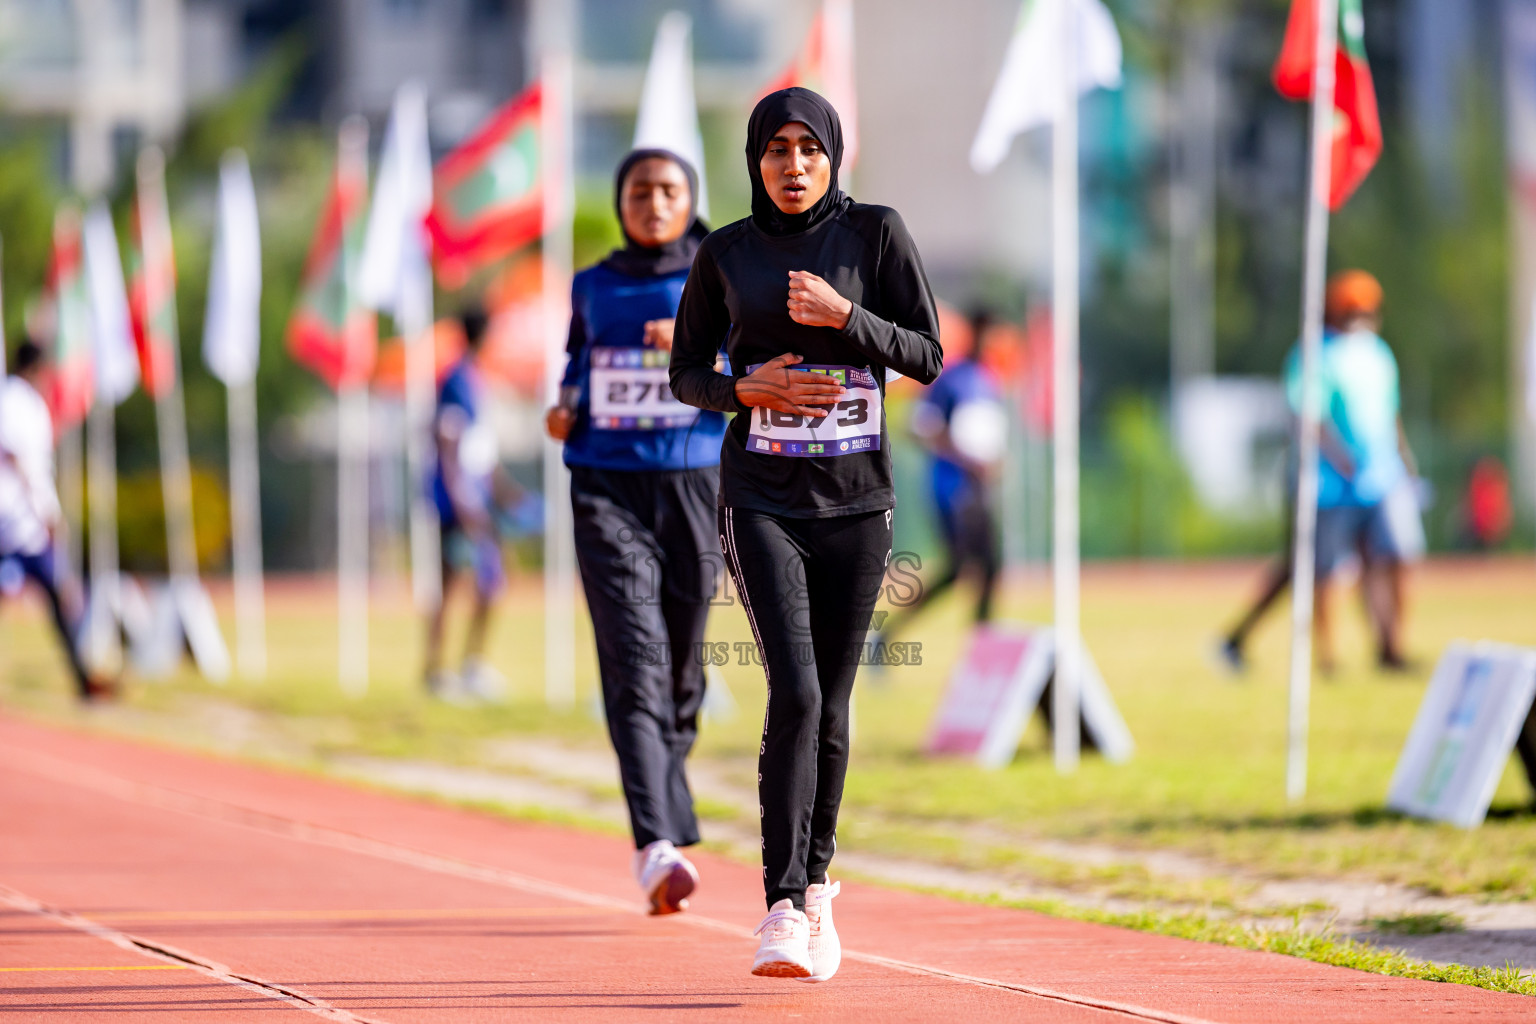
[[1367, 502]]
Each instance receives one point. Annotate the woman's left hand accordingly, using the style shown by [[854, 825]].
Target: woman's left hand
[[815, 303], [659, 333]]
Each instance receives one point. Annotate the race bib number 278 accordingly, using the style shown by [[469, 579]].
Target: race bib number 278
[[629, 391], [850, 426]]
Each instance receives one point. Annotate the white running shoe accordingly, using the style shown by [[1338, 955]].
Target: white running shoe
[[482, 682], [449, 688], [785, 950], [825, 948], [666, 877]]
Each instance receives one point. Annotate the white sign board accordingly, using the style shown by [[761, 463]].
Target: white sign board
[[1004, 676], [1473, 713]]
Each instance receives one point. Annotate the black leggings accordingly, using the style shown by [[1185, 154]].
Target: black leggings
[[645, 542], [809, 587]]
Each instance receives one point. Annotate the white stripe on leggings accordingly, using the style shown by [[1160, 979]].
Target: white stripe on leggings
[[729, 540]]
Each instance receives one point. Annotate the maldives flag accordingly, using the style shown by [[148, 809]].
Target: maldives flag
[[1356, 125], [152, 280], [488, 195], [74, 382], [331, 332], [825, 65]]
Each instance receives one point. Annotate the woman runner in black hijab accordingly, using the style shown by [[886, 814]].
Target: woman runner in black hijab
[[816, 297], [644, 473]]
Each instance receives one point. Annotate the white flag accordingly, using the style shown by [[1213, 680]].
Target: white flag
[[1026, 94], [396, 243], [117, 362], [669, 116], [232, 327]]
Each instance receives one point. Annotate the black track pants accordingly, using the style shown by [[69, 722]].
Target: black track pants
[[646, 545], [809, 587]]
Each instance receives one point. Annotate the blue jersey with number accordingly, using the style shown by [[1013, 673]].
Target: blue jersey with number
[[962, 382], [626, 417]]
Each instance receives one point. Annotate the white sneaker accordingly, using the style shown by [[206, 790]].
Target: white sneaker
[[666, 877], [482, 682], [785, 949], [825, 948], [449, 688]]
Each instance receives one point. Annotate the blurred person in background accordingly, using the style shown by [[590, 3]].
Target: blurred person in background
[[962, 422], [468, 486], [1368, 502], [1232, 650], [644, 475], [31, 522], [1488, 512]]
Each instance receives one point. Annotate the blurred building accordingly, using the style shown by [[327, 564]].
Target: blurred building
[[110, 71]]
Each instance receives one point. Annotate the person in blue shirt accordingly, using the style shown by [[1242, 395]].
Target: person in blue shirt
[[1367, 501], [962, 421], [467, 486], [644, 476]]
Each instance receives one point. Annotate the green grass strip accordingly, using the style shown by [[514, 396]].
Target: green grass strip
[[1324, 947]]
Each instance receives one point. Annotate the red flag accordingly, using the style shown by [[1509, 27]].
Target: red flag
[[152, 288], [331, 332], [73, 387], [825, 65], [488, 195], [1357, 139]]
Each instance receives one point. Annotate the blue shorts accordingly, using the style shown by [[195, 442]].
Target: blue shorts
[[460, 551], [1381, 532]]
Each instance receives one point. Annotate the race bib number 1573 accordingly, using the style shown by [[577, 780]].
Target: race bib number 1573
[[852, 425]]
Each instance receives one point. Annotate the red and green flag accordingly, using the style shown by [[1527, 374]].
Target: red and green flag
[[1356, 124], [74, 383], [152, 287], [825, 65], [488, 195], [331, 332]]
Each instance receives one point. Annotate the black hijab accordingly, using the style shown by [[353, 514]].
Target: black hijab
[[638, 260], [771, 113]]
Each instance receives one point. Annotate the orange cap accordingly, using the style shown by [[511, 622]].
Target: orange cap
[[1351, 293]]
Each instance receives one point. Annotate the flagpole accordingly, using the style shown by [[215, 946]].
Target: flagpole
[[1066, 698], [407, 291], [70, 477], [245, 528], [1303, 571], [170, 412], [231, 351], [553, 35], [116, 373], [71, 441], [352, 452], [101, 469]]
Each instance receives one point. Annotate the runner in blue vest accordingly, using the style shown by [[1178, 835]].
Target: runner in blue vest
[[644, 473]]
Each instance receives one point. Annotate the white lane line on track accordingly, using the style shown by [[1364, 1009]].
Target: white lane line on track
[[210, 809], [180, 958]]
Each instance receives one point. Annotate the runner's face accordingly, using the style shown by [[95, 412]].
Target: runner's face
[[655, 202], [795, 168]]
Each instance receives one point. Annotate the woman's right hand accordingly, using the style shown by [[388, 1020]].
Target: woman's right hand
[[776, 386], [558, 421]]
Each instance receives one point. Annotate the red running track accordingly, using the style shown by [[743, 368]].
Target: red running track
[[170, 886]]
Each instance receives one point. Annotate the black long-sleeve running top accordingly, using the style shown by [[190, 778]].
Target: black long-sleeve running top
[[739, 290]]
